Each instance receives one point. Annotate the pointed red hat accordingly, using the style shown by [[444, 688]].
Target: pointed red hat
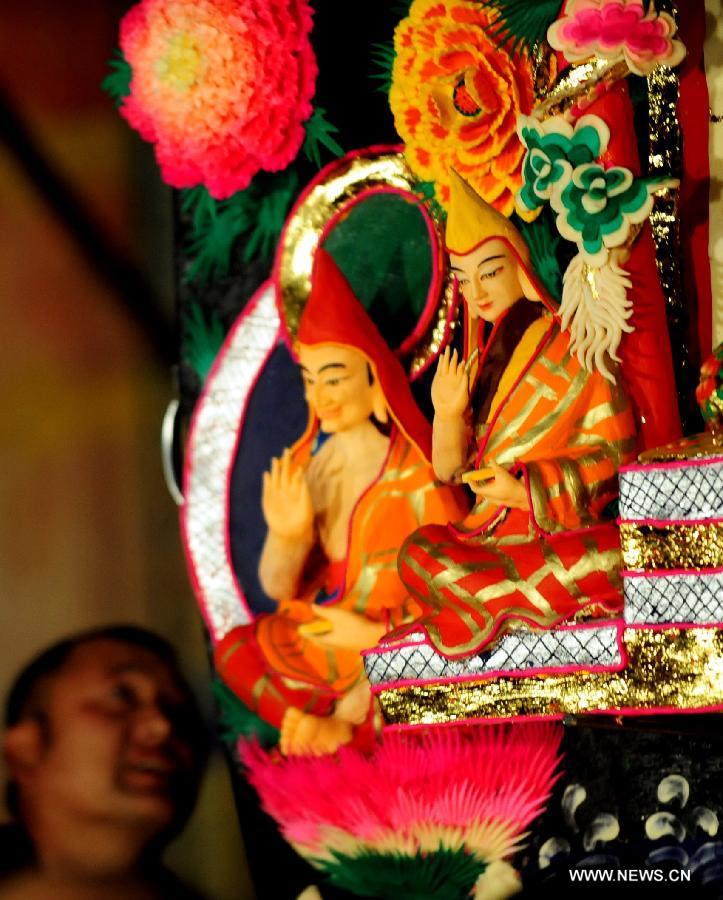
[[333, 315]]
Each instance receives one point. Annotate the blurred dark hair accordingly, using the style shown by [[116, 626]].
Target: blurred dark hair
[[51, 660], [25, 699]]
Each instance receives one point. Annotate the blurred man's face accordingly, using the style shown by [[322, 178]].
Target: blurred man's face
[[117, 746]]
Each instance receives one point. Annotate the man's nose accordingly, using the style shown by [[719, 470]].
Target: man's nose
[[151, 726]]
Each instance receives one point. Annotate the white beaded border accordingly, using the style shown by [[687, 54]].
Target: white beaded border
[[210, 453]]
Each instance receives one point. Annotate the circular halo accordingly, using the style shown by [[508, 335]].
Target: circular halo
[[329, 196]]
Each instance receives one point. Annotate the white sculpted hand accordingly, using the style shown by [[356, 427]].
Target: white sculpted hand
[[286, 501], [450, 388], [504, 489]]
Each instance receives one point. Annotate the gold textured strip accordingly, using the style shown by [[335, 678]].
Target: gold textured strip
[[579, 85], [442, 328], [698, 446], [669, 669], [693, 546], [665, 157]]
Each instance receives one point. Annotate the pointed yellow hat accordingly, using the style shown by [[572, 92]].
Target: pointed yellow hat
[[472, 221]]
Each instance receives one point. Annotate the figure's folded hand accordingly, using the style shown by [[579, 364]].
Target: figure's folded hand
[[345, 629], [504, 489]]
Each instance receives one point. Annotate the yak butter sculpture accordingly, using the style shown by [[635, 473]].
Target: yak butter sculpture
[[338, 505], [539, 438]]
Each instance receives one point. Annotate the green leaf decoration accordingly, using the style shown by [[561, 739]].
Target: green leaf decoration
[[383, 54], [543, 240], [443, 874], [382, 57], [319, 133], [270, 209], [199, 205], [400, 9], [216, 225], [427, 191], [256, 214], [117, 83], [236, 720], [202, 340], [522, 23]]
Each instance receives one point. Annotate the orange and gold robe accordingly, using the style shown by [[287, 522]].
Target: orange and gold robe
[[566, 431], [270, 665]]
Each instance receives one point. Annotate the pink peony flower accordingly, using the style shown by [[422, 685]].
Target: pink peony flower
[[221, 87], [617, 28]]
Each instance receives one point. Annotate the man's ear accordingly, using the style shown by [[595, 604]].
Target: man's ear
[[23, 747]]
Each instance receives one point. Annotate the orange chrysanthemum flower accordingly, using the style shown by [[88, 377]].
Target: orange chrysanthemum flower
[[456, 96]]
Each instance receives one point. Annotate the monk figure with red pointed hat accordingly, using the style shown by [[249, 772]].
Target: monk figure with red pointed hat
[[338, 505], [538, 438]]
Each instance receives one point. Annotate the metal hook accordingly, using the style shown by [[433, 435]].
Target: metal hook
[[168, 445]]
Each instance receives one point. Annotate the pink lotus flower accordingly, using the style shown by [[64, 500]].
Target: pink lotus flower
[[473, 788], [617, 28], [221, 87]]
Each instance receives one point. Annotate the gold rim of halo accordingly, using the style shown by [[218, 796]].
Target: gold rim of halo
[[318, 205]]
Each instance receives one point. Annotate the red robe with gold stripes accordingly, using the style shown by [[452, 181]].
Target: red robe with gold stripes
[[566, 432]]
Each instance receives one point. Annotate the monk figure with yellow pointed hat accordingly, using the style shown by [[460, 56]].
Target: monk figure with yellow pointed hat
[[338, 506], [537, 437]]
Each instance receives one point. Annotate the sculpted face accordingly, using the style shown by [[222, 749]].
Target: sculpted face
[[489, 279], [336, 385]]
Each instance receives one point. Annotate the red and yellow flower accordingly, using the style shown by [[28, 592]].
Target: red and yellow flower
[[221, 87], [709, 392], [456, 96], [705, 389], [710, 367]]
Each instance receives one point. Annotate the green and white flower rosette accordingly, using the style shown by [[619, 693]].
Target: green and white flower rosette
[[555, 148], [596, 208]]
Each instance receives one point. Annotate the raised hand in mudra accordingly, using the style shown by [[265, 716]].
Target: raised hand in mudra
[[286, 500], [450, 387]]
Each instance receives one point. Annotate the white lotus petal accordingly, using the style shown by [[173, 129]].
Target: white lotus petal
[[550, 849], [662, 824], [674, 787], [574, 795], [602, 829], [706, 820]]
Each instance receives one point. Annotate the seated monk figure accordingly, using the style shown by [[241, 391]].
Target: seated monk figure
[[538, 438], [338, 506]]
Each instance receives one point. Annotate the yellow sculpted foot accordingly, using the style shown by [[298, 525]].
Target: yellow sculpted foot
[[354, 705], [304, 734]]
